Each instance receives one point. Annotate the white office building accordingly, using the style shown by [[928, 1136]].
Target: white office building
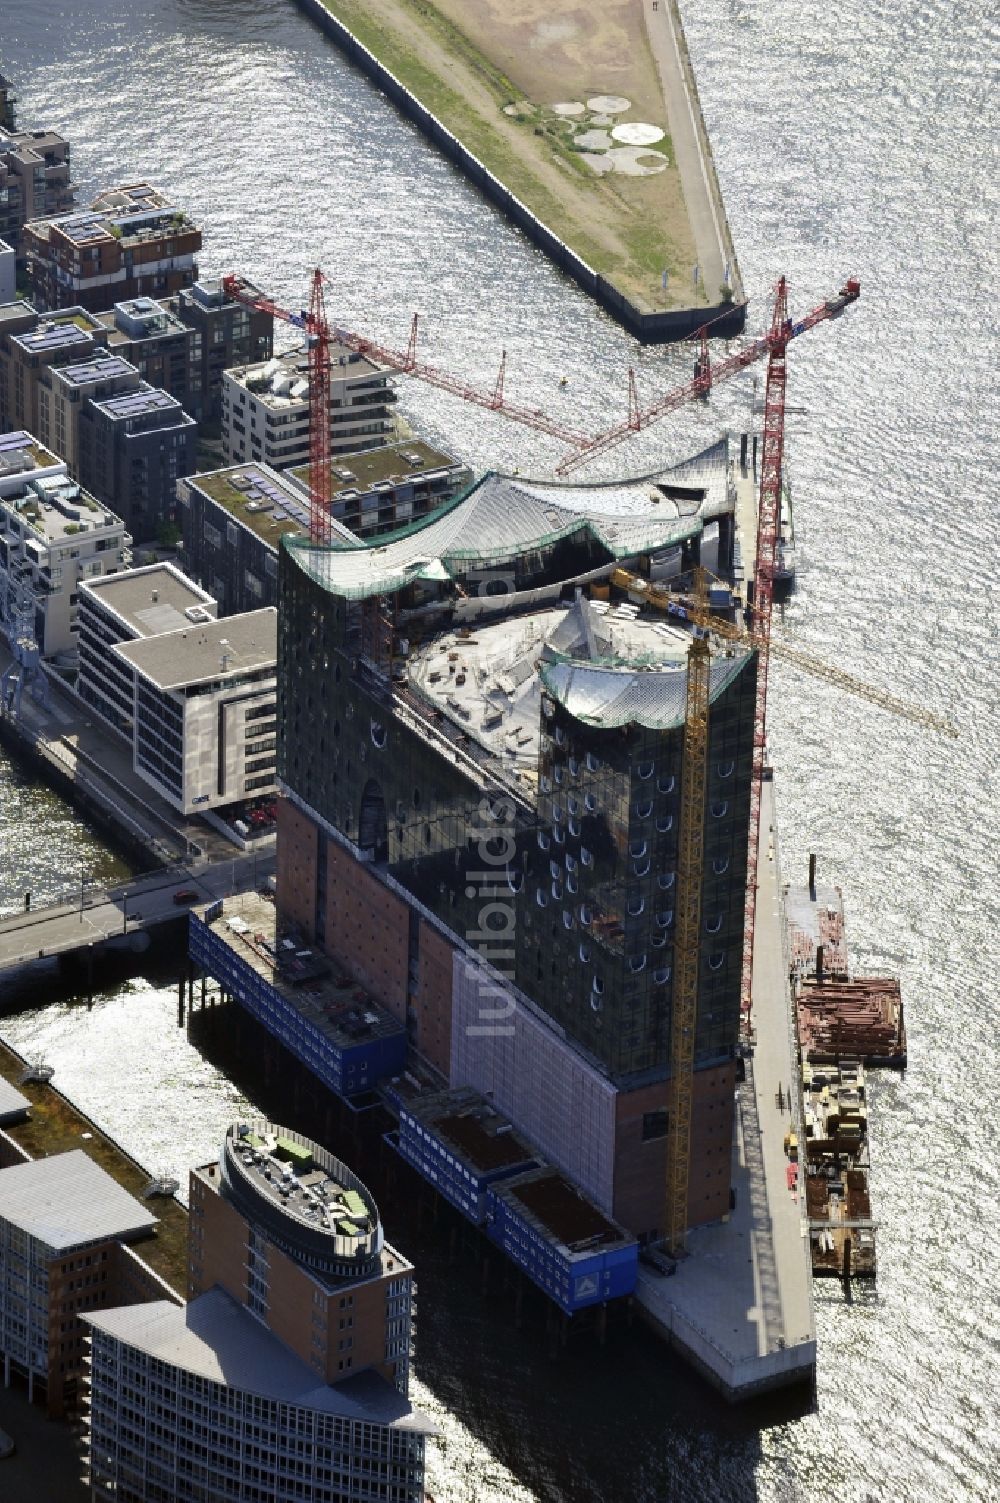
[[195, 696], [265, 408], [53, 536]]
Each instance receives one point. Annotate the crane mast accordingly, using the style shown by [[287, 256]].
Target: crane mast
[[690, 865], [768, 515]]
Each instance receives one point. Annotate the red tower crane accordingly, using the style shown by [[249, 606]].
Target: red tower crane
[[317, 331], [768, 518], [320, 335], [706, 376]]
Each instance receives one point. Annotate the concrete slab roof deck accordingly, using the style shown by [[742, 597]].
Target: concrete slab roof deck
[[206, 653], [218, 1339], [67, 1200], [150, 600]]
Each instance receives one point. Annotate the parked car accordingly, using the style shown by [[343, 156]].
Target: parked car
[[185, 895]]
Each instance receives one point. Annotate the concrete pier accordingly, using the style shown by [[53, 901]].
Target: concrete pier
[[739, 1307]]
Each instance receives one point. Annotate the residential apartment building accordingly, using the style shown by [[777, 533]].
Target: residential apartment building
[[8, 272], [53, 536], [165, 351], [133, 446], [65, 1226], [34, 180], [8, 118], [132, 242], [30, 345], [226, 333], [194, 696], [286, 1375], [380, 489], [232, 522], [63, 391], [265, 408]]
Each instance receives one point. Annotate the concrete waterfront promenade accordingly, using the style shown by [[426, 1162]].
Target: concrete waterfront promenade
[[740, 1305]]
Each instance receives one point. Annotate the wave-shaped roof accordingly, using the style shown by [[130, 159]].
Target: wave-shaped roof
[[501, 518], [610, 695]]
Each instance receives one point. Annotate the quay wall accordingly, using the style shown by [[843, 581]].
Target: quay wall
[[728, 319], [128, 836]]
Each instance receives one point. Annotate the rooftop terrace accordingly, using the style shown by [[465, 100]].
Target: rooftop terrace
[[411, 460], [304, 1183], [264, 501]]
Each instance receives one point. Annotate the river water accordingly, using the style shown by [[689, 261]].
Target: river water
[[856, 140]]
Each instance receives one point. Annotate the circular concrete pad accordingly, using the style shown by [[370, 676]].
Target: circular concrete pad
[[609, 104], [635, 133], [593, 140], [600, 161], [569, 107], [637, 161]]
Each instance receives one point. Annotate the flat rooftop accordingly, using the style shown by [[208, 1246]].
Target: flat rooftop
[[132, 404], [99, 367], [151, 600], [128, 214], [56, 507], [266, 503], [412, 460], [282, 382], [302, 976], [67, 1200], [479, 1135], [210, 652], [13, 1103], [557, 1210], [56, 1126], [218, 1339], [52, 334]]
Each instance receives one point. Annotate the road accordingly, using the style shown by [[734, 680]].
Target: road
[[95, 915]]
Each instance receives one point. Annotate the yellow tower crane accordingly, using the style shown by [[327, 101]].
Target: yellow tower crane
[[690, 862]]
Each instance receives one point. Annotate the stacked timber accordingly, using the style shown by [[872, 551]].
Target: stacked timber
[[860, 1019]]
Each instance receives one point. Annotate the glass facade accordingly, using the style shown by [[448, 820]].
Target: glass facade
[[580, 875]]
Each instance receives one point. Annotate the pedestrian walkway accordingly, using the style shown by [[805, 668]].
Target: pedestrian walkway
[[740, 1304]]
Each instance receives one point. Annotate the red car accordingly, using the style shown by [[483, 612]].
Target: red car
[[186, 895]]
